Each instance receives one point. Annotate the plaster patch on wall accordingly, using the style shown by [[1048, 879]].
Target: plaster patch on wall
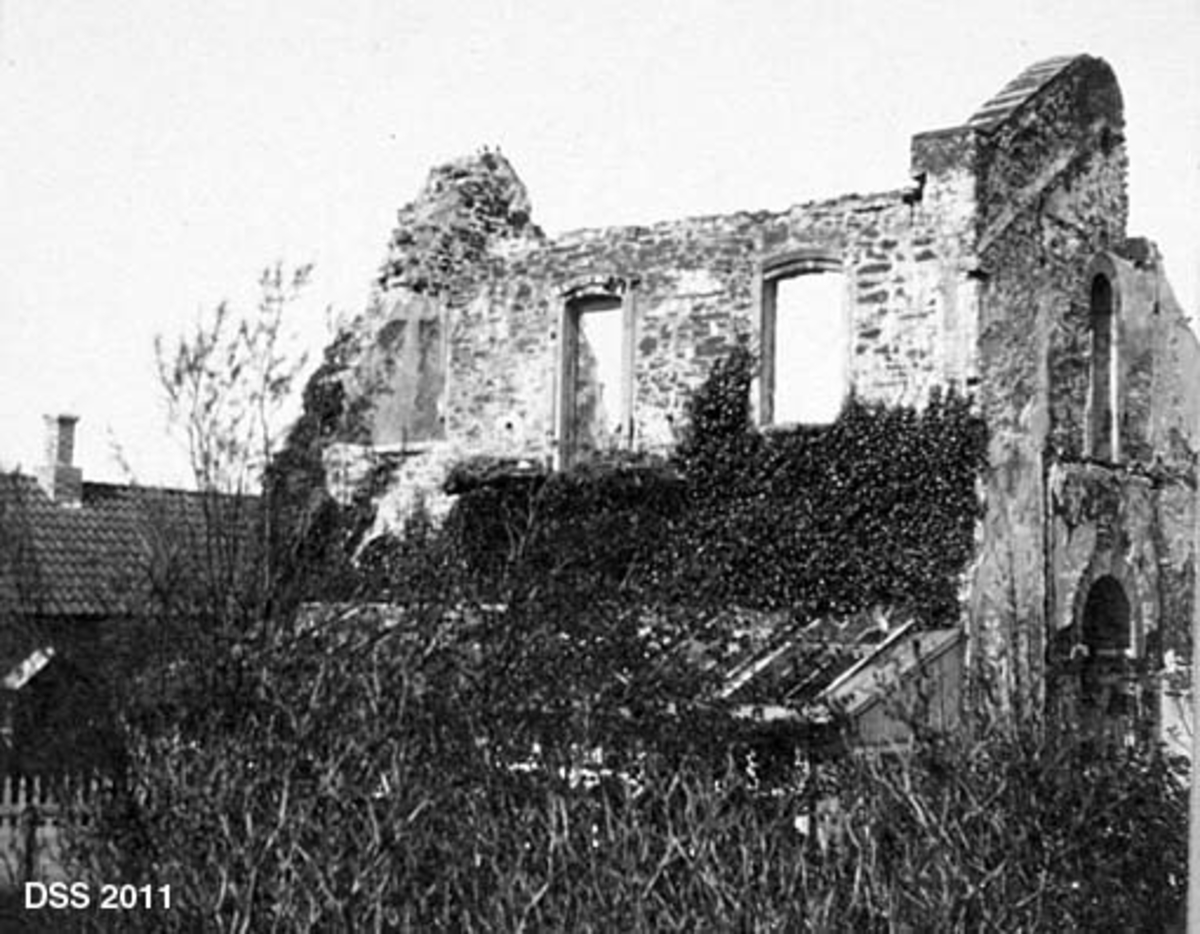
[[697, 282]]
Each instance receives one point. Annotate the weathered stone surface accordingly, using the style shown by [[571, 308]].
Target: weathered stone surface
[[1049, 197], [465, 207]]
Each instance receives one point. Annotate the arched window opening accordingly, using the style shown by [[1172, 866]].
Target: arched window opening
[[805, 340], [1107, 690], [1102, 421]]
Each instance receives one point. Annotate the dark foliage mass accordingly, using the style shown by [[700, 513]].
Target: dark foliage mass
[[877, 509], [369, 783], [503, 730]]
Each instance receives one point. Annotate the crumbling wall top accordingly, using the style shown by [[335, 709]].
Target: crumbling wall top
[[465, 207]]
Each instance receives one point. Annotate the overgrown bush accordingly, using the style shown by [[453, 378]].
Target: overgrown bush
[[1010, 833], [364, 786]]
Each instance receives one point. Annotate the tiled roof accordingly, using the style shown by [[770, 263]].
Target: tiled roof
[[97, 558], [1014, 94]]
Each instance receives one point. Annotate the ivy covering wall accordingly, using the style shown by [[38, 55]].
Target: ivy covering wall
[[878, 508]]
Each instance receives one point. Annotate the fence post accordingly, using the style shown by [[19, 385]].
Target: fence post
[[30, 819]]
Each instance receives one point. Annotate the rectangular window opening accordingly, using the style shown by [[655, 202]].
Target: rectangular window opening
[[597, 378], [805, 349]]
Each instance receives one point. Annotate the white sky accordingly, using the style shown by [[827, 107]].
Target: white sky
[[812, 350], [154, 156]]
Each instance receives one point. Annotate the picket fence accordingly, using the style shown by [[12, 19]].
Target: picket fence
[[32, 811]]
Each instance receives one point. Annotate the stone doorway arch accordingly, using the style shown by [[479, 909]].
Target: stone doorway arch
[[1108, 688]]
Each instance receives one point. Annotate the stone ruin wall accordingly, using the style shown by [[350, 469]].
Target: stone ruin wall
[[697, 296], [973, 277], [697, 287]]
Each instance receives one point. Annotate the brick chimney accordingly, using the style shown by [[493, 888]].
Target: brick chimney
[[62, 481]]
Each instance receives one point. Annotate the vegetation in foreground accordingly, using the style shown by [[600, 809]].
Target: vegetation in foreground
[[366, 786], [514, 748]]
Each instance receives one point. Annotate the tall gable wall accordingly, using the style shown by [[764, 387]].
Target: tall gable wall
[[1051, 194]]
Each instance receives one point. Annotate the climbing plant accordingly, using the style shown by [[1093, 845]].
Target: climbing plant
[[878, 508]]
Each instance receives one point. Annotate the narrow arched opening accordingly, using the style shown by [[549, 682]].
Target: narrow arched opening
[[1107, 689], [1102, 428]]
